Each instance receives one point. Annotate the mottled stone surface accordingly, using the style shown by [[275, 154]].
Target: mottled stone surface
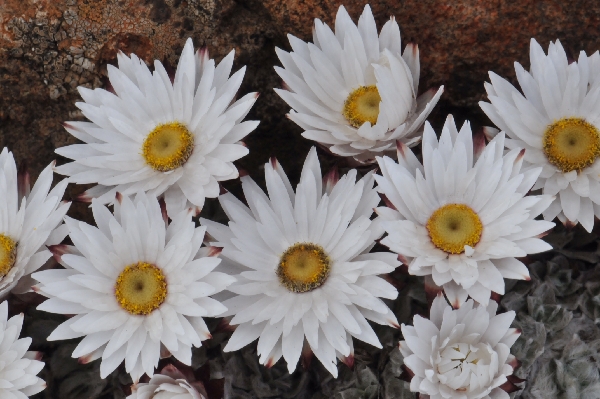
[[49, 47]]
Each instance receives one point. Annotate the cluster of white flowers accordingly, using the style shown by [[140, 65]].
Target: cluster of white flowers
[[293, 268]]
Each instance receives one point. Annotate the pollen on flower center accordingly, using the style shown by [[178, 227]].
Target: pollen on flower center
[[571, 144], [8, 254], [362, 105], [168, 146], [459, 356], [453, 226], [141, 288], [303, 267]]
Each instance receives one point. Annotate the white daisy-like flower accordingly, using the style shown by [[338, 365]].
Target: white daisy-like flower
[[302, 264], [557, 121], [354, 91], [462, 353], [169, 384], [459, 218], [18, 367], [30, 220], [135, 286], [176, 140]]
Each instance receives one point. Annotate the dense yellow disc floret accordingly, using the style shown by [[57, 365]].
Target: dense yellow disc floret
[[362, 105], [168, 146], [453, 226], [571, 144], [303, 267], [8, 254], [141, 288]]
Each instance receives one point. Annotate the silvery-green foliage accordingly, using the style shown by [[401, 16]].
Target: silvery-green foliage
[[395, 388], [589, 301], [559, 348], [245, 378], [363, 384]]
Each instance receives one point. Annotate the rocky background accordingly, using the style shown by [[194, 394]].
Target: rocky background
[[49, 47]]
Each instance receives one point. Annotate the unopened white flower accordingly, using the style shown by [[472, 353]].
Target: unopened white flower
[[302, 265], [18, 367], [176, 140], [459, 218], [460, 353], [30, 220], [134, 285], [355, 91], [169, 384], [557, 121]]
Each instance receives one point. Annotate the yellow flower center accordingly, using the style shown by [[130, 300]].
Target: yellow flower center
[[362, 105], [8, 254], [571, 144], [453, 226], [141, 288], [168, 146], [303, 267]]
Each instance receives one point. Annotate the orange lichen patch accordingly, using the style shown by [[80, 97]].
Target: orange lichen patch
[[68, 43], [128, 43], [127, 20], [41, 11], [136, 26]]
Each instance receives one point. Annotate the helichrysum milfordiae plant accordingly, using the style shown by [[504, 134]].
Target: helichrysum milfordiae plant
[[354, 91], [134, 285], [30, 220], [303, 267], [175, 140], [462, 216], [18, 367], [293, 267], [460, 353], [556, 120], [170, 383]]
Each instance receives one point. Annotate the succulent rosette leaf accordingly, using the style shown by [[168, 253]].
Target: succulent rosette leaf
[[175, 140], [462, 216], [556, 119], [138, 288], [354, 91], [460, 353], [303, 267]]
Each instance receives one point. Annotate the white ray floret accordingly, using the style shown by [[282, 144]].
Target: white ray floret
[[303, 265], [176, 140], [18, 367], [556, 119], [354, 91], [462, 217], [169, 384], [460, 353], [135, 286], [30, 220]]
